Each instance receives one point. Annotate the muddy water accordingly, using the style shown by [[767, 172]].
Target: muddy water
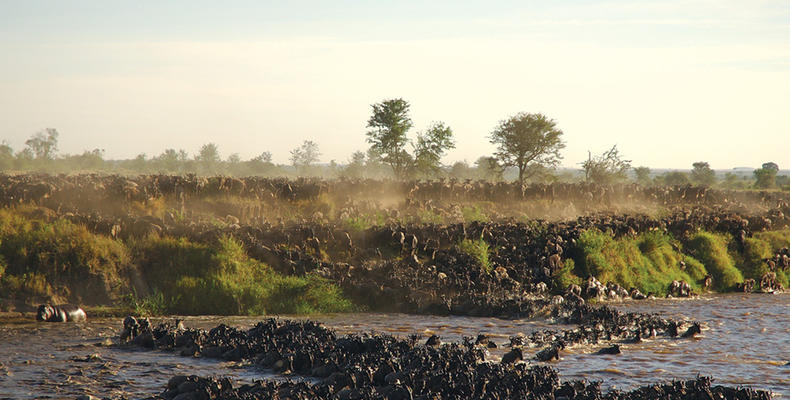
[[746, 341]]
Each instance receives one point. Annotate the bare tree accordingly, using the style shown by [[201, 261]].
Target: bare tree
[[607, 168]]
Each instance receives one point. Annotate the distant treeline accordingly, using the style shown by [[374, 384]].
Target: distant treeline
[[40, 155]]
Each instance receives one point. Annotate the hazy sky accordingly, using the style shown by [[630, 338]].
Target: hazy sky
[[669, 82]]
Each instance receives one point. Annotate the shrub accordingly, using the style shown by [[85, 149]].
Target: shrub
[[477, 249], [84, 267], [711, 250], [648, 261], [474, 213], [223, 280], [565, 276]]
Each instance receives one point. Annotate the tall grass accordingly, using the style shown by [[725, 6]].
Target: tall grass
[[648, 261], [477, 249], [222, 279], [46, 257], [750, 259], [711, 250]]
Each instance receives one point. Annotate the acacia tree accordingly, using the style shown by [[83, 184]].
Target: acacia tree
[[766, 176], [208, 157], [44, 144], [528, 142], [356, 166], [642, 175], [607, 168], [702, 174], [304, 156], [675, 178], [431, 145], [6, 156], [388, 125]]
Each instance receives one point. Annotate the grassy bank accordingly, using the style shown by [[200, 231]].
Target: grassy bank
[[43, 258], [650, 261]]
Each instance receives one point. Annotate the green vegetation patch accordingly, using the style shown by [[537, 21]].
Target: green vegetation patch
[[46, 257], [648, 261], [711, 250], [751, 258], [222, 279], [477, 249]]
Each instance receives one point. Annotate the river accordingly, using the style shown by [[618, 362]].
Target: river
[[745, 341]]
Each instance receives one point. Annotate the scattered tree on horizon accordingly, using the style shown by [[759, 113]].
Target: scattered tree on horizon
[[171, 160], [43, 144], [527, 141], [608, 168], [702, 174], [356, 165], [265, 158], [766, 176], [430, 147], [208, 157], [675, 178], [6, 156], [642, 175], [389, 125], [488, 168], [304, 156]]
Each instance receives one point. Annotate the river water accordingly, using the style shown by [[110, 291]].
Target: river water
[[745, 341]]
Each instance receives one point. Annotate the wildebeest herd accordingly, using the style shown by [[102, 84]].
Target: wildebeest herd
[[402, 263]]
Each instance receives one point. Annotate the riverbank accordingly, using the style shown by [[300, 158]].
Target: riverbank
[[469, 269], [161, 244]]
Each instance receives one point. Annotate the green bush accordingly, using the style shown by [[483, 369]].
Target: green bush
[[72, 262], [777, 239], [764, 245], [711, 250], [648, 261], [565, 276], [223, 280], [474, 213], [152, 304], [477, 249], [750, 260]]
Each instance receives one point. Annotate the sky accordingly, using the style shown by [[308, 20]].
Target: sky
[[669, 82]]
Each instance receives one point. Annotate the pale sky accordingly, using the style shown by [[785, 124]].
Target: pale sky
[[669, 82]]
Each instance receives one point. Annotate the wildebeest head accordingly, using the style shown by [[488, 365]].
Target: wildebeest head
[[45, 311]]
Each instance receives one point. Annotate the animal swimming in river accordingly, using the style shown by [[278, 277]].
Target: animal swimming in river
[[61, 313]]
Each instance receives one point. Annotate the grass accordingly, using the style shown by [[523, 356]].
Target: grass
[[566, 276], [648, 262], [222, 279], [757, 248], [152, 304], [711, 250], [54, 258], [476, 212], [43, 258], [477, 249]]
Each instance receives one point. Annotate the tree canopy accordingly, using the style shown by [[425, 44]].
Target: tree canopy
[[527, 140], [389, 124], [44, 144], [702, 174], [431, 145], [305, 155], [766, 176]]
